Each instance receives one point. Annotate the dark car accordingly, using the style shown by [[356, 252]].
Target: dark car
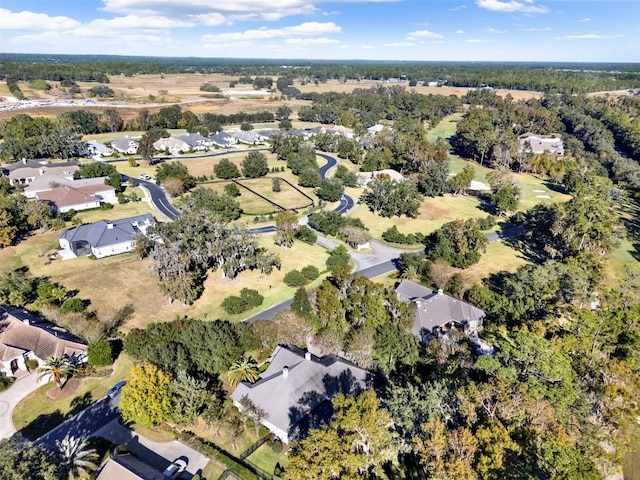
[[113, 391]]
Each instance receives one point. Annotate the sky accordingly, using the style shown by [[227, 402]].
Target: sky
[[416, 30]]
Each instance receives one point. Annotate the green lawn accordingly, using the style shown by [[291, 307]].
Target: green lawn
[[266, 459], [446, 128], [36, 414]]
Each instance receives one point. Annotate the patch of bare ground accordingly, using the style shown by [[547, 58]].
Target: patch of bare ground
[[69, 388]]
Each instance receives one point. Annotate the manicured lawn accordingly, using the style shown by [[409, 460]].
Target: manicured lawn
[[498, 257], [36, 414], [446, 128], [250, 203], [266, 459], [288, 197]]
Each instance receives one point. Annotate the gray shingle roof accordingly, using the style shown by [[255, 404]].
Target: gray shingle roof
[[105, 232]]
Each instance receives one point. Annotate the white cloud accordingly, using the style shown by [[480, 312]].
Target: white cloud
[[423, 34], [33, 21], [511, 6], [535, 29], [496, 31], [583, 20], [478, 40], [133, 22], [307, 28], [588, 36], [459, 32], [311, 41], [400, 44], [459, 7]]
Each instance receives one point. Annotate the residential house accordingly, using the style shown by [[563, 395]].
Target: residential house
[[172, 146], [125, 145], [269, 132], [24, 337], [437, 312], [377, 128], [341, 130], [104, 238], [67, 198], [541, 144], [223, 140], [24, 171], [296, 390], [128, 467], [196, 141], [51, 182], [96, 149], [250, 137], [365, 177]]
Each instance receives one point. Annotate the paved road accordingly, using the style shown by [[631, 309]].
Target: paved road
[[159, 199], [11, 397], [85, 423]]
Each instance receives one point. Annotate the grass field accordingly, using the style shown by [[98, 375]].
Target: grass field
[[36, 414], [265, 459]]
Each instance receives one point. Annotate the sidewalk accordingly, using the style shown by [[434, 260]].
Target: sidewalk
[[11, 397]]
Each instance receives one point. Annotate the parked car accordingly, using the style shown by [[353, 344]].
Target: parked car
[[174, 470], [145, 176], [113, 391]]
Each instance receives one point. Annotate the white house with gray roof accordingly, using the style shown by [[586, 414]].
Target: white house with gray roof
[[436, 311], [104, 238], [541, 144], [248, 137], [125, 145], [223, 140], [296, 389]]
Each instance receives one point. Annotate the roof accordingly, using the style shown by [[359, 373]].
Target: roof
[[124, 143], [222, 139], [194, 139], [288, 398], [111, 232], [23, 171], [24, 163], [44, 182], [167, 143], [66, 196], [538, 144], [98, 147], [128, 467], [249, 137], [21, 332], [436, 309]]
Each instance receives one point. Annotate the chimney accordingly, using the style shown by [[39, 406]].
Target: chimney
[[109, 226], [307, 355], [440, 291], [285, 372]]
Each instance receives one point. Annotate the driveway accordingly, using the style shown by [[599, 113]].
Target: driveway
[[158, 455], [11, 397]]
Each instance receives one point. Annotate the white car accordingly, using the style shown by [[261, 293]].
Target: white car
[[174, 470], [145, 176]]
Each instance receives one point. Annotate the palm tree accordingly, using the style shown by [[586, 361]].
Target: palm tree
[[76, 459], [244, 370], [55, 368]]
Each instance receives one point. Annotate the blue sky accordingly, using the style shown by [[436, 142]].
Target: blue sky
[[427, 30]]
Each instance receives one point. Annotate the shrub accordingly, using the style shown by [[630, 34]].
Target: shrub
[[310, 272], [307, 235], [32, 364], [486, 223], [99, 353], [276, 446], [5, 382], [233, 305], [72, 305], [251, 297], [295, 279]]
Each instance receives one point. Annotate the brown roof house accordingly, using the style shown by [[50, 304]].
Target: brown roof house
[[24, 336], [296, 390], [86, 197], [24, 171]]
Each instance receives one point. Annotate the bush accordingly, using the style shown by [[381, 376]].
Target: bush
[[276, 446], [307, 235], [100, 353], [295, 279], [32, 364], [392, 235], [251, 297], [248, 299], [310, 272], [233, 305], [486, 223], [72, 305], [5, 382]]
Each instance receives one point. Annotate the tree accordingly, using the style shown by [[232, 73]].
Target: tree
[[255, 165], [175, 170], [226, 169], [348, 178], [330, 190], [243, 370], [434, 179], [301, 303], [462, 181], [309, 177], [391, 198], [460, 243], [22, 459], [505, 191], [56, 369], [231, 190], [76, 459], [189, 398], [146, 148], [356, 444], [173, 186], [307, 235], [275, 184], [294, 278], [337, 257], [146, 398], [100, 353], [286, 223]]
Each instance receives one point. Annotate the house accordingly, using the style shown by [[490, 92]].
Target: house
[[541, 144], [51, 182], [125, 145], [128, 467], [24, 337], [436, 312], [104, 238], [171, 145], [96, 149], [342, 130], [365, 177], [196, 141], [296, 390], [24, 171], [250, 138], [67, 198], [269, 132], [377, 128], [223, 140]]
